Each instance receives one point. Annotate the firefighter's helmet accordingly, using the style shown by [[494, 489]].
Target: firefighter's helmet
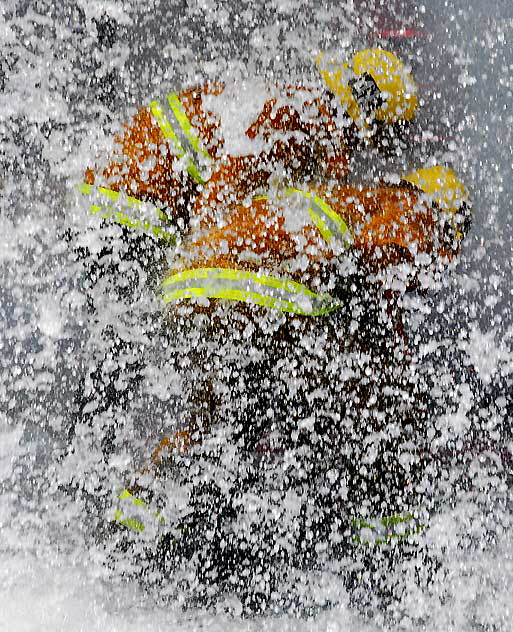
[[374, 83], [447, 191]]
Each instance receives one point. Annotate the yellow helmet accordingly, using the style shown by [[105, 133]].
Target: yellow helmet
[[375, 80], [447, 191]]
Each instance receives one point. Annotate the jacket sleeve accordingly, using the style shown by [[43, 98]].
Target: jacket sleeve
[[143, 165], [396, 224]]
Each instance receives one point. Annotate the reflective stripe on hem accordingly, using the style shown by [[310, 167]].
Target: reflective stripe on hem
[[249, 287], [106, 211]]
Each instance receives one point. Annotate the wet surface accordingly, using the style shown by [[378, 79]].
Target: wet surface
[[72, 73]]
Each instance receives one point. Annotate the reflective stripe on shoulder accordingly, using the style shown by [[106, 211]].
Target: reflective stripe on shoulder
[[249, 287], [176, 127], [146, 218]]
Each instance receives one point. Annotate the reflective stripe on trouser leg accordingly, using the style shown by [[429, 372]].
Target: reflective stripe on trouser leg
[[146, 217], [177, 128], [249, 287], [387, 529], [135, 513]]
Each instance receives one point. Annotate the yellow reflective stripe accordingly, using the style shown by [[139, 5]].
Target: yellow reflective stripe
[[321, 226], [221, 283], [137, 501], [197, 273], [389, 523], [305, 194], [114, 196], [133, 523], [85, 188], [239, 275], [110, 212], [185, 124], [335, 217], [194, 172], [130, 523], [169, 132], [166, 127], [317, 209], [247, 297]]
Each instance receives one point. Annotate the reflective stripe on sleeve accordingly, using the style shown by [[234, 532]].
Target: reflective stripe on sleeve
[[329, 223], [146, 218], [176, 127], [249, 287], [325, 219]]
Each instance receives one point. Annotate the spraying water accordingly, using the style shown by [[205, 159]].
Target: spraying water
[[79, 311]]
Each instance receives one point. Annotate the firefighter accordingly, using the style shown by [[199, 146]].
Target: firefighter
[[277, 291], [215, 141]]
